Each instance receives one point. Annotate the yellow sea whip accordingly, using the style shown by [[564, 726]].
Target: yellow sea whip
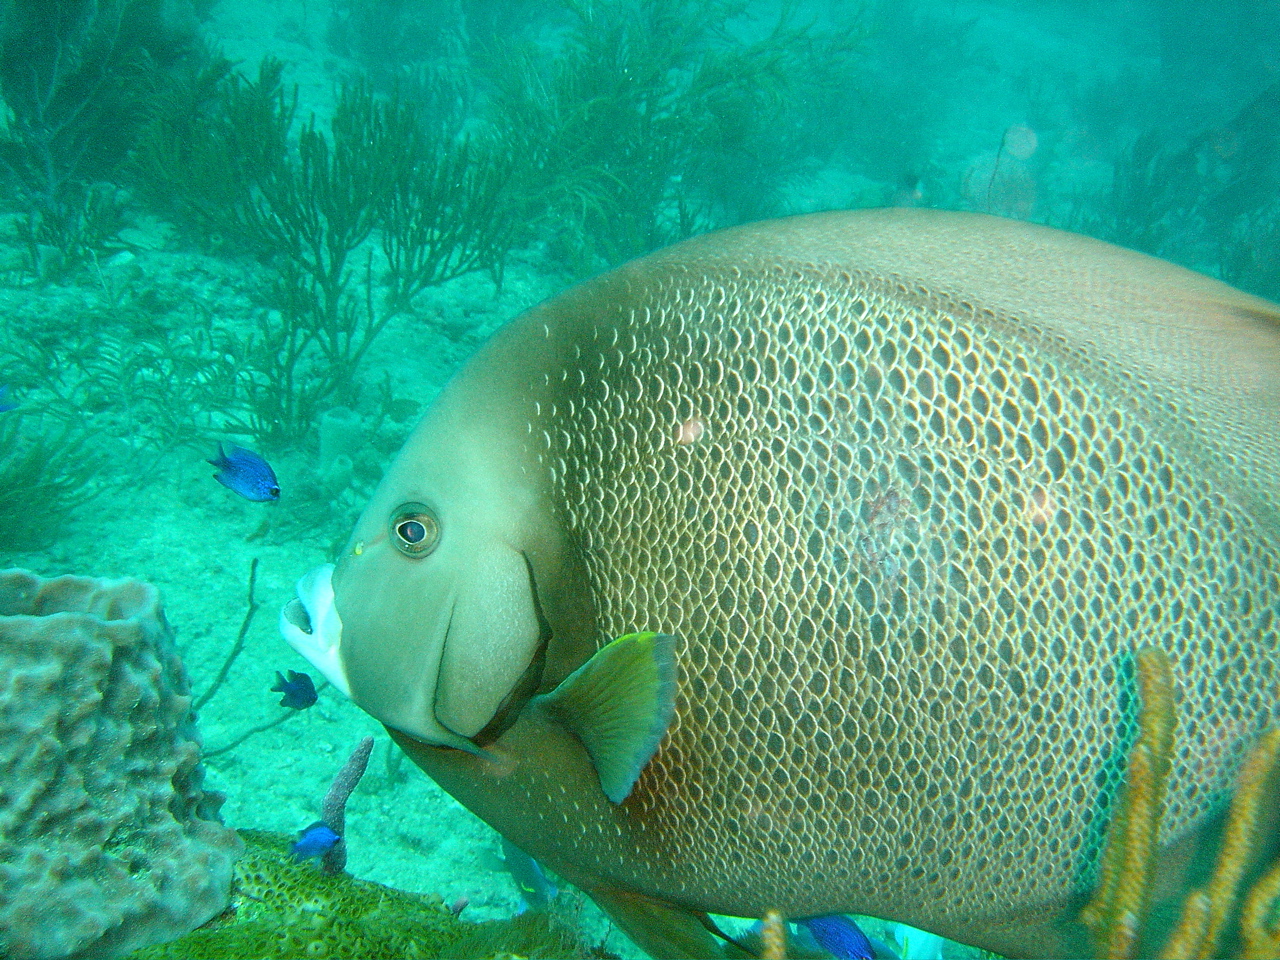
[[1117, 912]]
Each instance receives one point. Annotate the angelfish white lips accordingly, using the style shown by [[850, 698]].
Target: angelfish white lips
[[310, 624]]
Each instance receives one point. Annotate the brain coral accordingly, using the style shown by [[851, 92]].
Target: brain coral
[[107, 840], [283, 910]]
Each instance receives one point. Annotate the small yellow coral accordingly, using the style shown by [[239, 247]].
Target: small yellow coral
[[1189, 935], [1238, 841], [773, 936], [1116, 916], [1116, 913], [1260, 918]]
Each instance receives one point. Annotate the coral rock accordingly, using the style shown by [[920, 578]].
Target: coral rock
[[108, 841], [285, 910]]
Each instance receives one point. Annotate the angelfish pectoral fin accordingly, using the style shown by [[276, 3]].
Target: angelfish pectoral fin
[[619, 704]]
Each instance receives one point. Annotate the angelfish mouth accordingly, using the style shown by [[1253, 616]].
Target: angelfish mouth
[[295, 614], [311, 625]]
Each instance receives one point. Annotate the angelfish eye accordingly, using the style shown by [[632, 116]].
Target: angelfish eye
[[415, 530]]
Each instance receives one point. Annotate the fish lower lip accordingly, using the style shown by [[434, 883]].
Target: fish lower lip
[[296, 614], [311, 625]]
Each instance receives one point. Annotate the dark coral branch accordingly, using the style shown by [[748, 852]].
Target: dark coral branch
[[333, 810], [251, 732], [235, 647]]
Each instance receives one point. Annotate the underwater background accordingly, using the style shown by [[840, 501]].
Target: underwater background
[[281, 224]]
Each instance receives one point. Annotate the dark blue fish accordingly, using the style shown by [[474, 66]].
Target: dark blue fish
[[315, 841], [299, 691], [840, 937], [247, 474], [533, 884], [5, 403]]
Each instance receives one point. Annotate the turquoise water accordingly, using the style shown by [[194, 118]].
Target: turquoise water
[[137, 288]]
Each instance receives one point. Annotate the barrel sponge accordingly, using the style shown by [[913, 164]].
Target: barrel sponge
[[107, 840]]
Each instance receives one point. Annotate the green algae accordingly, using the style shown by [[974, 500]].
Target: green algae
[[46, 472]]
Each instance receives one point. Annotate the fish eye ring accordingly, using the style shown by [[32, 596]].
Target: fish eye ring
[[415, 531]]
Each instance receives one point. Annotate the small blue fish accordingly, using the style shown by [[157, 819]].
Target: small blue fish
[[247, 474], [533, 884], [315, 841], [299, 690], [5, 403], [840, 937]]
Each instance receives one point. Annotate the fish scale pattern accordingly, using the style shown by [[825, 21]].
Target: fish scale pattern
[[908, 561]]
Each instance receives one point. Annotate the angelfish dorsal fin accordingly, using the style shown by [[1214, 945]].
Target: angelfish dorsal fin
[[619, 704]]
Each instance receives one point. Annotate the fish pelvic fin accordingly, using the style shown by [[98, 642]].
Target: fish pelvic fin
[[619, 704], [663, 930]]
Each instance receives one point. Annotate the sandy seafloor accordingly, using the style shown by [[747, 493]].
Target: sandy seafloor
[[183, 532]]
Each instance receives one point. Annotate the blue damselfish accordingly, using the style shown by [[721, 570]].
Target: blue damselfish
[[840, 937], [315, 841], [299, 690], [247, 474]]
